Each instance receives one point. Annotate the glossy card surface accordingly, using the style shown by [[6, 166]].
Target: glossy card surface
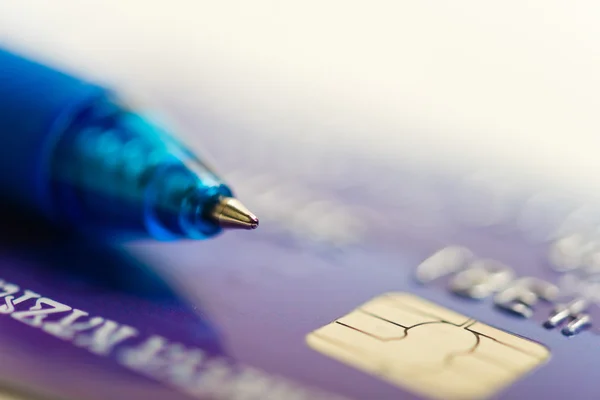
[[229, 318]]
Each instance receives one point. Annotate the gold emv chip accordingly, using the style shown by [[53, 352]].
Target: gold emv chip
[[428, 349]]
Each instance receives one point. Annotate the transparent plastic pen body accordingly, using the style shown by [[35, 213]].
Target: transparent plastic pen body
[[112, 171]]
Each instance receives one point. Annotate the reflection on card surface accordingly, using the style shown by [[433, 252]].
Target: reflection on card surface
[[428, 349]]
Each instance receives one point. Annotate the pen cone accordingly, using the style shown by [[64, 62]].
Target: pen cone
[[232, 214]]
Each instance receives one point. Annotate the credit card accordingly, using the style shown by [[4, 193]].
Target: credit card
[[492, 275], [492, 282], [514, 255], [83, 320]]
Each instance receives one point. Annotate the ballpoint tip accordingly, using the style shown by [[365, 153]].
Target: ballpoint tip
[[232, 214], [254, 222]]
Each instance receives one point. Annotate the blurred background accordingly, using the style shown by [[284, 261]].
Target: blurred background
[[512, 83]]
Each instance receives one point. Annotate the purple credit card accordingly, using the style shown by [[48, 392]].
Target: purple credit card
[[90, 321], [490, 277]]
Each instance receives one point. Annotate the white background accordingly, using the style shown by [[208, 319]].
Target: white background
[[512, 83]]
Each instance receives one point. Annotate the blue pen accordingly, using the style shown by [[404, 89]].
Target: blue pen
[[70, 151]]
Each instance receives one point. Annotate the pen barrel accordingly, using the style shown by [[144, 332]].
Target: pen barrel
[[36, 105], [114, 170], [71, 152]]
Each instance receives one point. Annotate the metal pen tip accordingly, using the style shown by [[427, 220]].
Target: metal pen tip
[[231, 213]]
